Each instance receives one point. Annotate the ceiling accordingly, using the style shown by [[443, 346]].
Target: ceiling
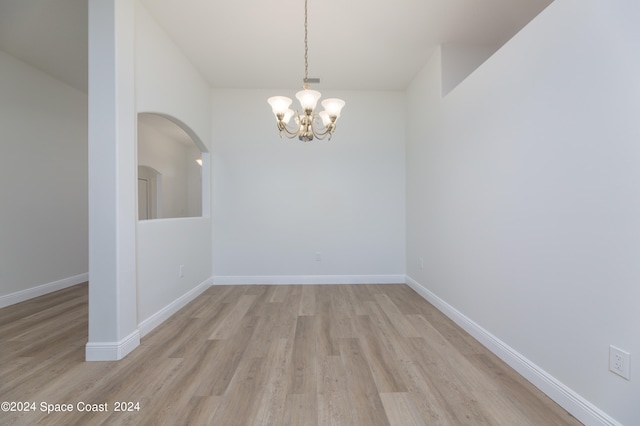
[[353, 44]]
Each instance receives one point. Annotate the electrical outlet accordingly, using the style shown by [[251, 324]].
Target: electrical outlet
[[318, 256], [421, 262], [619, 361], [181, 273]]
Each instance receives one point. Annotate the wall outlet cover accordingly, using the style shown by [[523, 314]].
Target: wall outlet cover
[[619, 362]]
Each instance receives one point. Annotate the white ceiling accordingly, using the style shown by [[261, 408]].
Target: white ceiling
[[353, 44]]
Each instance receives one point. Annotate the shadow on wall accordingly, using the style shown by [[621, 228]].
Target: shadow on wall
[[169, 168]]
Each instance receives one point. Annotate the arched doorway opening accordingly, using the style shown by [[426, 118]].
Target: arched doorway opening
[[172, 164]]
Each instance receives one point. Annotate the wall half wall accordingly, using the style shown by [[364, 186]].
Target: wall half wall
[[43, 183], [522, 197]]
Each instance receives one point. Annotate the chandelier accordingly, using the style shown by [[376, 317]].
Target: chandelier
[[308, 124]]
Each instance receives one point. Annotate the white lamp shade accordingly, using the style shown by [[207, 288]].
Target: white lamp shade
[[287, 116], [279, 104], [326, 120], [333, 106], [308, 98]]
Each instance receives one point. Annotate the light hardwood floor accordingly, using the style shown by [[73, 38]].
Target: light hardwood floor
[[277, 355]]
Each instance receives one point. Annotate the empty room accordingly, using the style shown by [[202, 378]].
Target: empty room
[[294, 212]]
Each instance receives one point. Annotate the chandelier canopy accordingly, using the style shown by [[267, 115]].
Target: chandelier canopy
[[308, 124]]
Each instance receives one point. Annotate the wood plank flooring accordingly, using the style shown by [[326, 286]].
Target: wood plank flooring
[[268, 355]]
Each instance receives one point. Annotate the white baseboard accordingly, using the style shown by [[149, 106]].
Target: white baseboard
[[112, 351], [568, 399], [147, 325], [30, 293], [309, 279]]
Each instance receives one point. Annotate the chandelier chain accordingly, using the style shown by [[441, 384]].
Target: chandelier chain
[[306, 47]]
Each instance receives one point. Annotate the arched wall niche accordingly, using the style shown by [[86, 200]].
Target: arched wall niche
[[180, 160]]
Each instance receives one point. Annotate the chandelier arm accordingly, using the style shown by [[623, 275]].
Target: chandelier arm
[[321, 137], [325, 129], [322, 134], [288, 132]]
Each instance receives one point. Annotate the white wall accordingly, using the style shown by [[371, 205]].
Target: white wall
[[523, 195], [167, 83], [43, 179], [159, 281], [278, 201]]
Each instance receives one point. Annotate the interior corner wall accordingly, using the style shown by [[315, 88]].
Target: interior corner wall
[[278, 202], [523, 195], [43, 179], [167, 83]]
